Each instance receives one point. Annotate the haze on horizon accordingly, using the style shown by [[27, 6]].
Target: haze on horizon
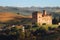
[[29, 3]]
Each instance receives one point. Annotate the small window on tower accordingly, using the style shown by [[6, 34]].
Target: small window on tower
[[39, 23], [39, 16]]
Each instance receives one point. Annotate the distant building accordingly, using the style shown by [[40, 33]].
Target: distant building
[[41, 18]]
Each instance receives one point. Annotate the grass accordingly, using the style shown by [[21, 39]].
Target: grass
[[35, 28], [45, 27], [55, 26]]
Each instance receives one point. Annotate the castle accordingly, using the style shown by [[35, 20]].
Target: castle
[[41, 18]]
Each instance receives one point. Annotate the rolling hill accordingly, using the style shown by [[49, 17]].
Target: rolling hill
[[6, 16], [28, 10]]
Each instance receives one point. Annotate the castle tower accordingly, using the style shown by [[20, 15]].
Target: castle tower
[[44, 13], [41, 18], [36, 17]]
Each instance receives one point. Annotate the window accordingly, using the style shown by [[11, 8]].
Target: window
[[39, 17]]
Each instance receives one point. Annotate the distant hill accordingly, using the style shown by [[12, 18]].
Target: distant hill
[[11, 17], [28, 10], [7, 16]]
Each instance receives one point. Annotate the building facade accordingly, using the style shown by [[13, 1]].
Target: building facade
[[41, 18]]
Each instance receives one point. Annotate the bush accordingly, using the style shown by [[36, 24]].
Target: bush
[[49, 28]]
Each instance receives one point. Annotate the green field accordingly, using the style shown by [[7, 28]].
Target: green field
[[45, 27]]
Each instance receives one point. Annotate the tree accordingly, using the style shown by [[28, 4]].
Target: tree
[[35, 25], [18, 13], [55, 21], [59, 19]]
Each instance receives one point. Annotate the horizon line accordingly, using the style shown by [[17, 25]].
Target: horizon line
[[29, 6]]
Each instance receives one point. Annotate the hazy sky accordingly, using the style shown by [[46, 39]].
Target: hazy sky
[[28, 3]]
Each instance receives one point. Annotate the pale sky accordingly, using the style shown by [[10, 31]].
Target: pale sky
[[29, 3]]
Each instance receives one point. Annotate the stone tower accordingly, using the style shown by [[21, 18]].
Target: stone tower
[[41, 18], [44, 13]]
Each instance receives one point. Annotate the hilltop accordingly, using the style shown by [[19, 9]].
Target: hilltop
[[13, 18], [7, 16], [55, 11]]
